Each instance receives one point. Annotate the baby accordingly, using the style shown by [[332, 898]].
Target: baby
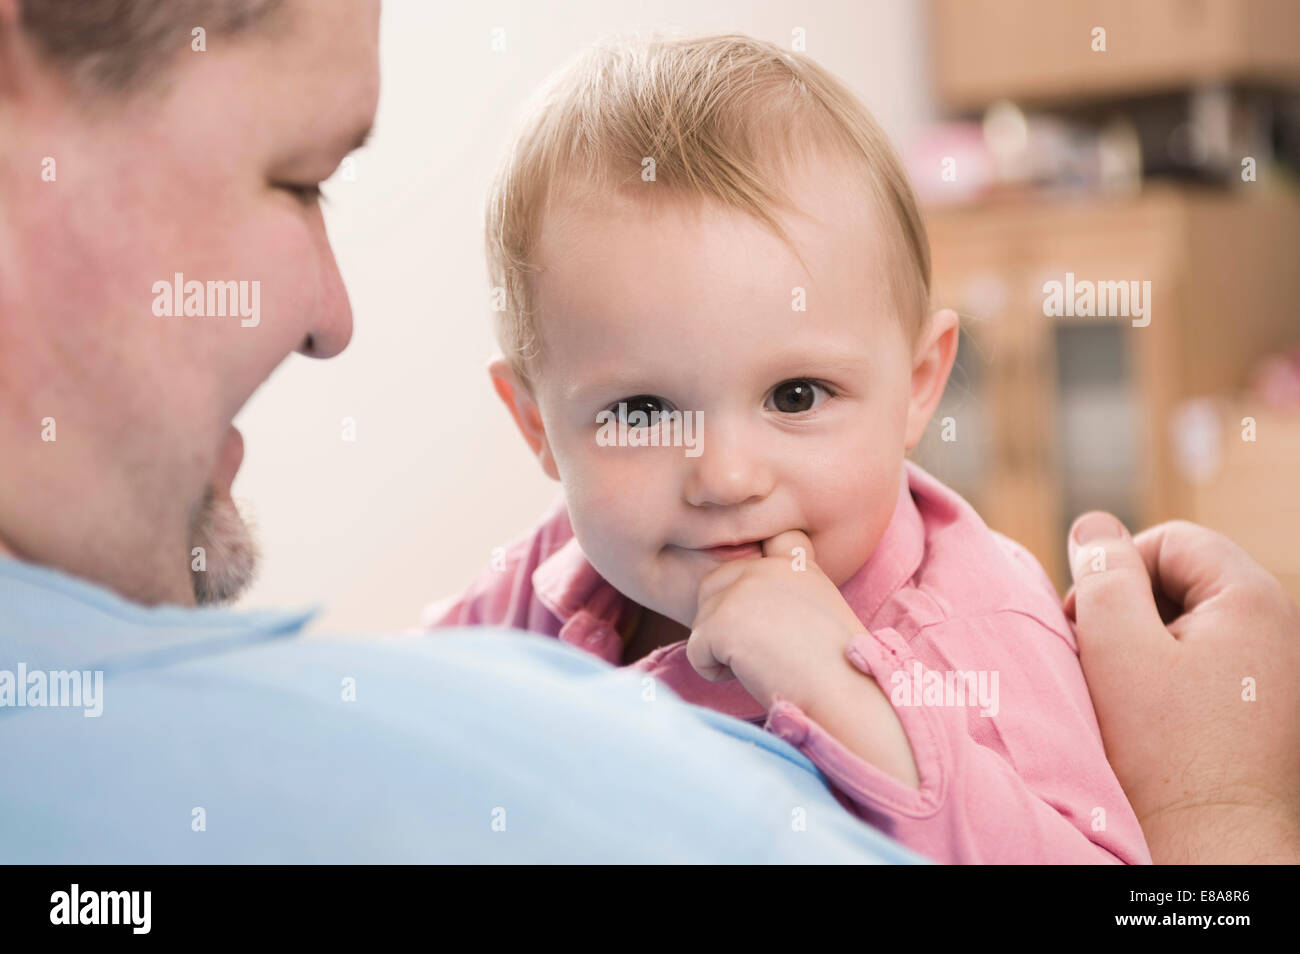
[[714, 232]]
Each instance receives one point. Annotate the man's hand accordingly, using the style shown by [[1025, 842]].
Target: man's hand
[[1191, 651]]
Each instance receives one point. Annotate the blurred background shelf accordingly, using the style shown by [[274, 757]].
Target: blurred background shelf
[[1074, 412], [1122, 166], [1250, 489], [1040, 51]]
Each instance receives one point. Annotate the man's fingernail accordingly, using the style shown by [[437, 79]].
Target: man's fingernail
[[1097, 526]]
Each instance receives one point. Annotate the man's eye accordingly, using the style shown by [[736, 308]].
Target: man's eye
[[643, 410], [306, 194], [798, 396]]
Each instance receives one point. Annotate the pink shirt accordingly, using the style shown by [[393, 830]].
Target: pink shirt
[[942, 593]]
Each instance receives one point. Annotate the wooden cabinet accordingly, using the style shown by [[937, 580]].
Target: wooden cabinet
[[1059, 414]]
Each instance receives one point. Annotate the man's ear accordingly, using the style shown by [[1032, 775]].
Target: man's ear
[[519, 401], [931, 364]]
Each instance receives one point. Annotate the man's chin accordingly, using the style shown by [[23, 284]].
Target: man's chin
[[228, 561]]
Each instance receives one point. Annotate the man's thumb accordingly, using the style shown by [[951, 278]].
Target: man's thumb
[[1112, 589]]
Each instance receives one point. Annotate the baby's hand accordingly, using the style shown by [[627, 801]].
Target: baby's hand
[[776, 623], [780, 626]]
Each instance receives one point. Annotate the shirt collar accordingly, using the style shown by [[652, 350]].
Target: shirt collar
[[899, 553], [566, 582], [53, 619], [593, 614]]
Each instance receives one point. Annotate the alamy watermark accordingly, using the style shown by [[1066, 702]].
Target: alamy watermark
[[53, 689], [130, 908], [951, 689], [194, 299], [1089, 299], [669, 429]]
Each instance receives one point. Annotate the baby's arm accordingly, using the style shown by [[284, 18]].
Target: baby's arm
[[1030, 784]]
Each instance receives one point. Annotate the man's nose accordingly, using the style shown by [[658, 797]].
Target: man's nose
[[730, 470], [330, 322]]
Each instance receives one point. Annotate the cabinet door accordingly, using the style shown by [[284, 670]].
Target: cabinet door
[[1065, 404], [992, 437]]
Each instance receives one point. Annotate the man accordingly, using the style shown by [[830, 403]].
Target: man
[[161, 252], [130, 157]]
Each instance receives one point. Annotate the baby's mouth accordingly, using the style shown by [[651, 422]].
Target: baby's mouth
[[733, 551]]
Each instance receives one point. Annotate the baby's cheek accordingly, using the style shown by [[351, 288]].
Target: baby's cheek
[[855, 529], [606, 511], [596, 488], [622, 483]]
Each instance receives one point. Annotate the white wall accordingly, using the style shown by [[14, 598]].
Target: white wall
[[438, 475]]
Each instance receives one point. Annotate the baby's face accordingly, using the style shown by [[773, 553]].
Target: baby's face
[[691, 308]]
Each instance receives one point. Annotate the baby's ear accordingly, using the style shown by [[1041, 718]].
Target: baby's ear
[[519, 401], [931, 364]]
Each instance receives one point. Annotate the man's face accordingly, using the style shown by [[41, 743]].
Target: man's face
[[688, 307], [197, 179]]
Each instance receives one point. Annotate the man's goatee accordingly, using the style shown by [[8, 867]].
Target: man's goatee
[[229, 552]]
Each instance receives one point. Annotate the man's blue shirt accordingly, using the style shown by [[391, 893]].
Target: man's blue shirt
[[229, 737]]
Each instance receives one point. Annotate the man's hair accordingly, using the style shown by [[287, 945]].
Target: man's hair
[[119, 45], [724, 118]]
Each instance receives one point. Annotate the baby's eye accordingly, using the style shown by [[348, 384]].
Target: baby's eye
[[643, 410], [798, 395]]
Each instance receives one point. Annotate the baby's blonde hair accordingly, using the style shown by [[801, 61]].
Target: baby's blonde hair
[[723, 118]]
